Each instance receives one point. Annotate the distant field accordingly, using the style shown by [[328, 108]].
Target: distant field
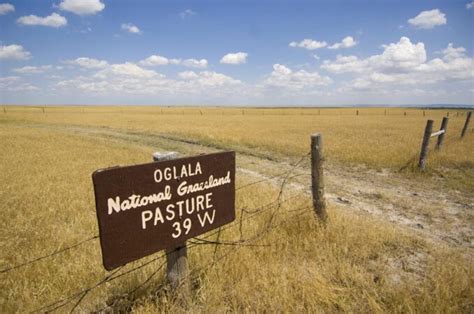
[[376, 137], [358, 263]]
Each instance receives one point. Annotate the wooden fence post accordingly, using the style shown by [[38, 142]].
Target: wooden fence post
[[4, 109], [466, 124], [317, 177], [425, 144], [177, 258], [357, 112], [444, 127]]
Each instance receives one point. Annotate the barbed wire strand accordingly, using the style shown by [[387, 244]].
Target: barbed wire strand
[[49, 255]]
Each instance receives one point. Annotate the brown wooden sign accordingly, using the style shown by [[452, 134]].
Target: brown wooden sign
[[146, 208]]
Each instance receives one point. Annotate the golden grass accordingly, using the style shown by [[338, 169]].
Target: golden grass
[[356, 264], [371, 138]]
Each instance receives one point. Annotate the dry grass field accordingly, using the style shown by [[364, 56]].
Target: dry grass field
[[397, 240]]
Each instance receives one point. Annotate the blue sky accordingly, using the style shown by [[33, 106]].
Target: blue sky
[[236, 52]]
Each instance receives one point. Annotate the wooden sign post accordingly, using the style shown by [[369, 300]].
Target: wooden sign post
[[317, 177], [176, 258], [143, 209]]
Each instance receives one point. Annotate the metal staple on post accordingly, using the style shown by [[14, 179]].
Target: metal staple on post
[[317, 177], [466, 124], [177, 258], [444, 127], [425, 144]]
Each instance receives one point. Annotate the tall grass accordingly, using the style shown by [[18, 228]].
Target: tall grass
[[356, 264]]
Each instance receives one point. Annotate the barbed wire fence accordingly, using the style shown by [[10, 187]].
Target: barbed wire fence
[[213, 238], [235, 111], [272, 208]]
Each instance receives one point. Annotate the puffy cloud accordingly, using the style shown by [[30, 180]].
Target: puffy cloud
[[400, 56], [347, 42], [308, 44], [470, 5], [33, 69], [130, 79], [428, 19], [344, 64], [404, 63], [14, 84], [156, 60], [14, 52], [129, 27], [6, 8], [187, 13], [235, 58], [208, 78], [283, 76], [53, 20], [88, 63], [188, 75], [126, 69], [82, 7], [193, 63], [451, 53]]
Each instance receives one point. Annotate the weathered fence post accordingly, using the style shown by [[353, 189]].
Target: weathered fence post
[[466, 124], [317, 176], [177, 258], [4, 109], [444, 127], [357, 112], [425, 144]]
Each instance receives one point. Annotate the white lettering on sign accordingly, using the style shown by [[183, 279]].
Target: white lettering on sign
[[177, 210], [170, 173], [135, 201], [184, 188], [205, 216], [173, 212]]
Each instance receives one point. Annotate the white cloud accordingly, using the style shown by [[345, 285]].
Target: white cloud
[[53, 20], [6, 8], [347, 42], [208, 78], [396, 57], [129, 27], [344, 64], [404, 63], [308, 44], [33, 69], [187, 13], [194, 63], [14, 84], [235, 58], [157, 60], [127, 70], [128, 78], [82, 7], [452, 53], [14, 52], [88, 63], [187, 75], [428, 19], [283, 76], [470, 5]]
